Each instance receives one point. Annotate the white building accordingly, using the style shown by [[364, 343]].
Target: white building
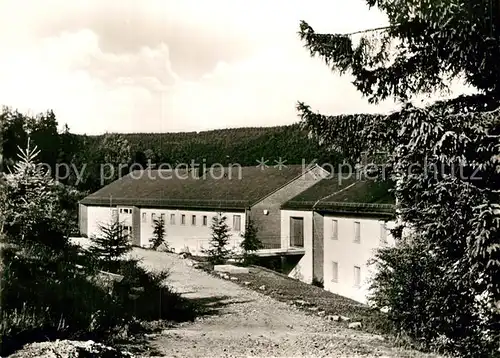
[[342, 223], [187, 202]]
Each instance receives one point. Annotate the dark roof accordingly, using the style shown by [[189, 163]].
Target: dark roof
[[341, 195], [240, 188]]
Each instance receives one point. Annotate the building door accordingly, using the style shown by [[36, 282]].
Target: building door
[[296, 232]]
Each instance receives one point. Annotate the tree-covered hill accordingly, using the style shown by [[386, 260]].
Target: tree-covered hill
[[89, 153]]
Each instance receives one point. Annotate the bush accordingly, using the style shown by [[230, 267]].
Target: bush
[[52, 289], [317, 282], [110, 245], [218, 251], [45, 295], [158, 234], [423, 301], [250, 243]]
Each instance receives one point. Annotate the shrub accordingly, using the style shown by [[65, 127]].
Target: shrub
[[110, 245], [158, 234], [218, 251], [317, 282], [250, 243], [49, 288], [50, 296], [423, 300]]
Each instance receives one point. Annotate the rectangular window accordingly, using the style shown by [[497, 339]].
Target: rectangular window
[[121, 211], [163, 217], [383, 233], [193, 219], [172, 219], [357, 232], [144, 217], [153, 217], [205, 220], [357, 276], [335, 230], [335, 271], [237, 222], [183, 219]]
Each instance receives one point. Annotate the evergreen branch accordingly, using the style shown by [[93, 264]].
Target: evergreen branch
[[369, 30]]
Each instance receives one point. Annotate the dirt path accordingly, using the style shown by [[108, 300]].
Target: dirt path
[[245, 323]]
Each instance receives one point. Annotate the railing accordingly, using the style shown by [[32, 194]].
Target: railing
[[386, 208], [271, 246]]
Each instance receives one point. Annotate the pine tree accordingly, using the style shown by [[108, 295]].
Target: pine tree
[[158, 234], [250, 243], [218, 251], [110, 245], [32, 207]]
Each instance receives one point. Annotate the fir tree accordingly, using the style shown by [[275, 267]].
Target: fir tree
[[218, 251], [158, 234], [250, 243], [32, 207], [110, 245]]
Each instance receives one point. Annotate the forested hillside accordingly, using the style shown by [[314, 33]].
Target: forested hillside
[[87, 154]]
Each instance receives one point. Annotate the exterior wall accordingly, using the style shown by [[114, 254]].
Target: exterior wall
[[269, 225], [191, 237], [136, 226], [304, 269], [82, 219], [348, 254], [97, 215], [318, 246], [125, 218]]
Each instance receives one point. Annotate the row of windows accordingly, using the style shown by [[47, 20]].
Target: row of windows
[[356, 274], [204, 222], [125, 211], [357, 232]]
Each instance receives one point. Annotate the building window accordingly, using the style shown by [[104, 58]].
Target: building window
[[335, 271], [357, 276], [121, 211], [114, 214], [163, 217], [193, 219], [383, 233], [237, 222], [357, 232], [183, 219], [335, 230], [153, 217], [144, 217], [172, 219], [205, 220]]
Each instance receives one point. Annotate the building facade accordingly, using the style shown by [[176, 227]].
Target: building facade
[[342, 224], [188, 203], [350, 243]]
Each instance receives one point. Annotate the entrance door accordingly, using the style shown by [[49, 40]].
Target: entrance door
[[296, 232]]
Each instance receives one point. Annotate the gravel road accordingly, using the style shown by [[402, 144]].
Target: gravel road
[[244, 323]]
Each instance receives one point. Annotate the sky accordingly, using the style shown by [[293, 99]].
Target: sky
[[174, 65]]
